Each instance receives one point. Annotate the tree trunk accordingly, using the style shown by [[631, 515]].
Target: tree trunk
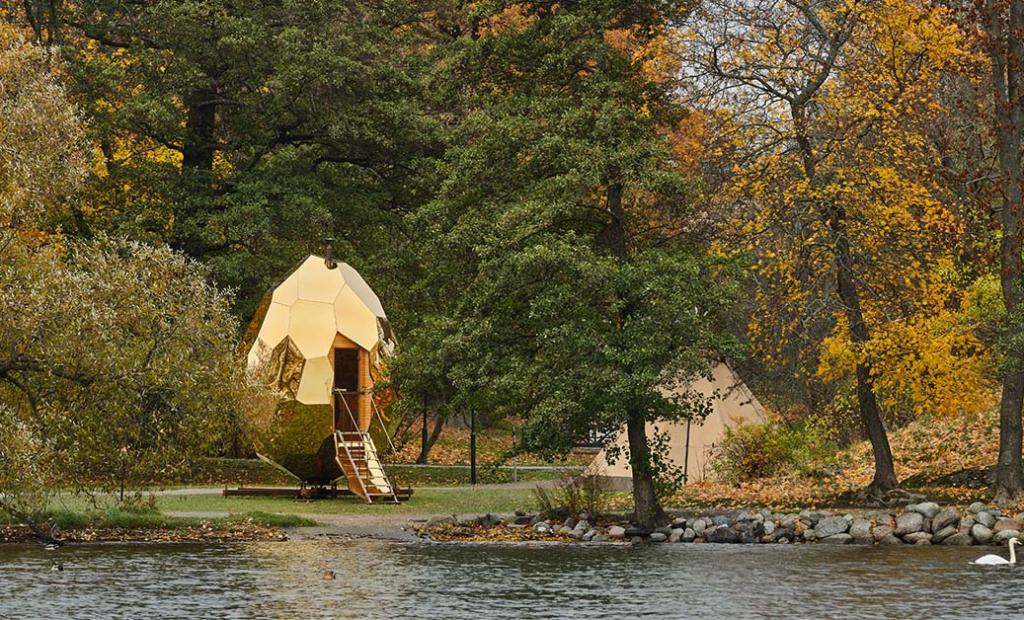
[[1006, 53], [846, 283], [435, 432], [885, 473], [200, 125], [647, 511], [1009, 482]]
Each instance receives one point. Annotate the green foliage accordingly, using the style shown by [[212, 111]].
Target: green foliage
[[540, 313], [270, 519], [118, 359], [28, 473], [243, 134], [43, 152], [752, 451]]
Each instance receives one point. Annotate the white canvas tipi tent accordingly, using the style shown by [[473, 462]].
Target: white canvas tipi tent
[[690, 444]]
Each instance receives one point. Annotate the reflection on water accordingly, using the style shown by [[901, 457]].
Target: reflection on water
[[378, 579]]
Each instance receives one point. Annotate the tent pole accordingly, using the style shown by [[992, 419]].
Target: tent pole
[[686, 454]]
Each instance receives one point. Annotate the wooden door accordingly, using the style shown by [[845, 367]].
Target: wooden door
[[346, 378]]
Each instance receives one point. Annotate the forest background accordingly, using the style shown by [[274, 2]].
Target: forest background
[[564, 205]]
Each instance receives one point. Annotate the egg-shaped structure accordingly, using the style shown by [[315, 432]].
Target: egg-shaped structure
[[320, 339]]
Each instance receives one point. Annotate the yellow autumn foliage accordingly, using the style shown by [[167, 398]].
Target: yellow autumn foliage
[[873, 159]]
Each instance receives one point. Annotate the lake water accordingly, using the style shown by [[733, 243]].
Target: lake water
[[377, 579]]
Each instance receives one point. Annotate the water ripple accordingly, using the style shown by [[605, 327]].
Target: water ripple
[[472, 582]]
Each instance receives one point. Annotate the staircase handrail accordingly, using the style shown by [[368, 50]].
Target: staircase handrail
[[367, 441], [339, 440]]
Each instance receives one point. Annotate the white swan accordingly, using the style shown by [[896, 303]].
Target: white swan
[[995, 560]]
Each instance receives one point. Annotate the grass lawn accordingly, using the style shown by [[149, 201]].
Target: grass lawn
[[80, 517], [412, 476], [491, 443], [424, 501], [254, 472]]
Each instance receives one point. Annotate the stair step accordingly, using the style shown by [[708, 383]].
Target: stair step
[[358, 459]]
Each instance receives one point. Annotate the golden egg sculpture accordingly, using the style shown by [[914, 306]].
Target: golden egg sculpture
[[320, 340]]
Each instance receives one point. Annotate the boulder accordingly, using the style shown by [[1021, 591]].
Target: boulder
[[1008, 524], [1004, 535], [599, 538], [749, 531], [722, 534], [720, 520], [769, 528], [918, 538], [679, 522], [977, 507], [960, 539], [490, 520], [981, 533], [700, 525], [966, 523], [788, 521], [945, 517], [744, 516], [985, 518], [441, 521], [688, 535], [943, 534], [836, 539], [590, 535], [658, 537], [583, 524], [860, 529], [830, 526], [928, 509], [908, 523], [890, 539], [635, 530], [616, 531], [541, 528], [523, 520], [809, 535], [636, 540], [676, 535], [880, 531]]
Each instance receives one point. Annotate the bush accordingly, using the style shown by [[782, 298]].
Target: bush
[[752, 451], [573, 497]]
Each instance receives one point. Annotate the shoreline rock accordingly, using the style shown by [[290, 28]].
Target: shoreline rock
[[923, 523]]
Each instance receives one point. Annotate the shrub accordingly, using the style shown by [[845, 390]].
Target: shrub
[[573, 497], [752, 451]]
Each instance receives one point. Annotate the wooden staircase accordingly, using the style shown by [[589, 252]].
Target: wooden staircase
[[357, 456]]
